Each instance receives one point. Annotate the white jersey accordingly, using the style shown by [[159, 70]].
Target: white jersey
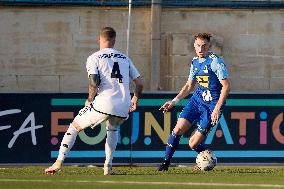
[[115, 71]]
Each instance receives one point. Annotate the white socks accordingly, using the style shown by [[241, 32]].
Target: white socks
[[70, 137], [110, 145], [67, 142]]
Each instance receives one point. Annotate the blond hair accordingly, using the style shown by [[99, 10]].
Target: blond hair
[[108, 33]]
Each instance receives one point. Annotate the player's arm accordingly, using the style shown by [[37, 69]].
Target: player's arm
[[223, 96], [221, 71], [184, 92], [137, 93], [186, 89], [94, 82]]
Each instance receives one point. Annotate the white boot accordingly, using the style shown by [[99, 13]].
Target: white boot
[[54, 168], [108, 170]]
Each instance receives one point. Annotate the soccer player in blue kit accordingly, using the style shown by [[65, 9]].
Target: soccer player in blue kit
[[210, 74]]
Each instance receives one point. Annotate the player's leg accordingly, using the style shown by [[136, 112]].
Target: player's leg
[[197, 140], [184, 122], [66, 144], [196, 143], [112, 125], [85, 118], [181, 127]]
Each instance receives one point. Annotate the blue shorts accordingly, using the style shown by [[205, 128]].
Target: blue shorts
[[198, 111]]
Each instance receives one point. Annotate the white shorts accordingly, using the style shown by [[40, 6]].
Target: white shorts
[[89, 117]]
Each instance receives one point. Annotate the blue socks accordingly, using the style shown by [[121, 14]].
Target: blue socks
[[201, 147], [172, 145]]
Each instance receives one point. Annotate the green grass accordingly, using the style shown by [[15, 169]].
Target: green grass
[[142, 177]]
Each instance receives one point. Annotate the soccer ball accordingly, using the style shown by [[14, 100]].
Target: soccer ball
[[206, 160]]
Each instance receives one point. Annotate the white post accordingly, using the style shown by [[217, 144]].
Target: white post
[[128, 27], [127, 52]]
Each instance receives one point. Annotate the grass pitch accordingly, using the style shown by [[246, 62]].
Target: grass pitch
[[31, 177]]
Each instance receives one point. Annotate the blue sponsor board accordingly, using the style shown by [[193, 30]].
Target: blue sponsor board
[[251, 129]]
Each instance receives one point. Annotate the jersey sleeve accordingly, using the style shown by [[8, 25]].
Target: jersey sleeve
[[91, 65], [219, 68], [191, 73], [133, 72]]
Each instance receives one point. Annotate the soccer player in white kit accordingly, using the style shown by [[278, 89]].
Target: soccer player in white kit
[[109, 99]]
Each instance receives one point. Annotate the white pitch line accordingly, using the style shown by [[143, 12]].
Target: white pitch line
[[22, 180], [196, 183], [151, 183]]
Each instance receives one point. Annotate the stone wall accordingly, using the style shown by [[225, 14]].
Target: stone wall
[[250, 41], [45, 49]]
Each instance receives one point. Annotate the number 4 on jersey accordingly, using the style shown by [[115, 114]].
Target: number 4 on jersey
[[115, 73]]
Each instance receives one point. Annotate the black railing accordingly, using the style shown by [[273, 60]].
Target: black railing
[[165, 3]]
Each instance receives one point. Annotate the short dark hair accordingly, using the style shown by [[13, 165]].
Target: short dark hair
[[206, 36], [108, 33]]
